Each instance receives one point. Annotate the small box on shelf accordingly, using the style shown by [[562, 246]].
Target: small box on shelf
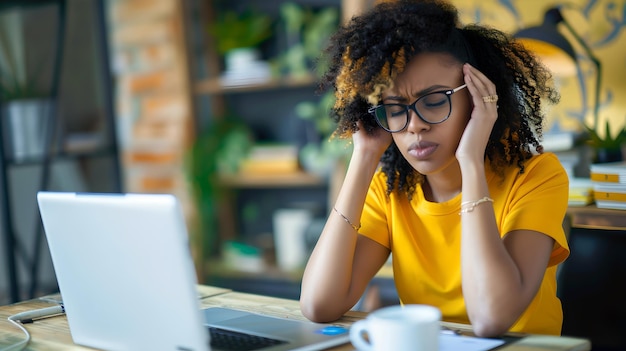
[[270, 159], [580, 192]]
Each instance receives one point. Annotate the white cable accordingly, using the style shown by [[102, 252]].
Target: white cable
[[28, 316], [20, 345], [38, 313]]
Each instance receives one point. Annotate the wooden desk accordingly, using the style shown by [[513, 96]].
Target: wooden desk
[[52, 334], [591, 217]]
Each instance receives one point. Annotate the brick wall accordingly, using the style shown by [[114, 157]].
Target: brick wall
[[153, 99], [154, 115]]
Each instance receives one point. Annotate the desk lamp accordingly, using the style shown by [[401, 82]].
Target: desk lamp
[[556, 52]]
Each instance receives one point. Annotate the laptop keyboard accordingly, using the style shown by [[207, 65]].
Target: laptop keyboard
[[234, 341]]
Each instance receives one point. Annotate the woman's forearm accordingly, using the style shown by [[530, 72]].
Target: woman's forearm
[[493, 286], [329, 288]]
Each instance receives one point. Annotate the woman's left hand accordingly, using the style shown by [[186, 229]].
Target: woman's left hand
[[484, 114]]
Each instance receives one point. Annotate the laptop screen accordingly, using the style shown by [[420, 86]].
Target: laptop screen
[[124, 270]]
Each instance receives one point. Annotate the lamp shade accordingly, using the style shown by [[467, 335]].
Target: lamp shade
[[552, 48]]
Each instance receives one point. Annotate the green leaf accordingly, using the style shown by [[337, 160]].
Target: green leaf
[[212, 152], [12, 88], [232, 30], [608, 141]]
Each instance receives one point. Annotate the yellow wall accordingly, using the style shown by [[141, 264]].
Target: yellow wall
[[601, 23]]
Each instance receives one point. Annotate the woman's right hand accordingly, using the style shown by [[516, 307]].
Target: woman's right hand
[[375, 142]]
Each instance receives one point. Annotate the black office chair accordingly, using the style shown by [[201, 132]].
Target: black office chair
[[592, 288]]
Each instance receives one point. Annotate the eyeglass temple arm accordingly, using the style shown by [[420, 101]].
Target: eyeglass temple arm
[[459, 88]]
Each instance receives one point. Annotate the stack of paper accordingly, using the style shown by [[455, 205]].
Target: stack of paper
[[271, 159], [580, 192], [609, 184], [254, 72]]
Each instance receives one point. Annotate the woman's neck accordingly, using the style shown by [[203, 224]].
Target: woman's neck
[[443, 186]]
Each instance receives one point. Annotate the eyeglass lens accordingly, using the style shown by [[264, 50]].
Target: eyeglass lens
[[431, 108]]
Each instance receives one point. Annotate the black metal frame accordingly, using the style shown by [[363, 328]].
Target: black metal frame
[[12, 243]]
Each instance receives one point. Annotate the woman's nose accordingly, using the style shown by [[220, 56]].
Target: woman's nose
[[416, 124]]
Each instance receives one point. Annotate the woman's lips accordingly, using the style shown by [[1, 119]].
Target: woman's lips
[[422, 149]]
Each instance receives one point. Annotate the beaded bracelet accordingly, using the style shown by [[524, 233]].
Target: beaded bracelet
[[355, 227], [473, 204]]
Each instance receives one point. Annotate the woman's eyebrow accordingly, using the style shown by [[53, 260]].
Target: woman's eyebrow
[[394, 98], [399, 98]]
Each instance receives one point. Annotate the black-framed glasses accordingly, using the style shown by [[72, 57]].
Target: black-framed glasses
[[432, 108]]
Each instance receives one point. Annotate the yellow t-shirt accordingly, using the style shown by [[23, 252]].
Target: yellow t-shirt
[[425, 238]]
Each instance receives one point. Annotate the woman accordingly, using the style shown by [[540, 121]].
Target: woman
[[447, 173]]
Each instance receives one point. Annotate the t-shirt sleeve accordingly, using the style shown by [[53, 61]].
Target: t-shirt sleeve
[[538, 202]]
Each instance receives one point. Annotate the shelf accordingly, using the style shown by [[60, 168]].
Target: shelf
[[266, 102], [270, 281], [64, 155], [217, 268], [592, 217], [214, 86], [282, 180]]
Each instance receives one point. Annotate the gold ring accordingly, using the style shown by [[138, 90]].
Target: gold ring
[[490, 98]]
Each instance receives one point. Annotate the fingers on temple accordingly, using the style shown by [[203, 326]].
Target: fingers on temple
[[478, 84]]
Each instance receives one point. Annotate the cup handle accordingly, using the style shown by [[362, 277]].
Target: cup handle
[[358, 329]]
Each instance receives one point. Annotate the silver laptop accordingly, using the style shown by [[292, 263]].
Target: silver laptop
[[127, 280]]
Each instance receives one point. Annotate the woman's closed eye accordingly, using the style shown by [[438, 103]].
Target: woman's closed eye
[[396, 110], [433, 100]]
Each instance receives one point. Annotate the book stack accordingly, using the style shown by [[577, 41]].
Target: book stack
[[580, 192], [270, 159], [609, 184]]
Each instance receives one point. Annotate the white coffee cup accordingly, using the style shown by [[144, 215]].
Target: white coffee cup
[[398, 328]]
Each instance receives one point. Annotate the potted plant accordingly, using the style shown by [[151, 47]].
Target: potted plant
[[25, 113], [238, 35], [216, 151], [607, 147], [25, 108], [320, 155], [307, 32]]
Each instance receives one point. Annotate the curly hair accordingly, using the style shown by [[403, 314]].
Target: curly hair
[[365, 55]]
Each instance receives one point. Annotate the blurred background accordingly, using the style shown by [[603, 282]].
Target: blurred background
[[216, 102]]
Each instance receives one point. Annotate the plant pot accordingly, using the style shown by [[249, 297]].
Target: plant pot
[[241, 58], [608, 155], [25, 124], [244, 66]]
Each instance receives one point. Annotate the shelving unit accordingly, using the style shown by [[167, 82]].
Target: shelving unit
[[285, 180], [214, 85], [58, 147], [266, 107]]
